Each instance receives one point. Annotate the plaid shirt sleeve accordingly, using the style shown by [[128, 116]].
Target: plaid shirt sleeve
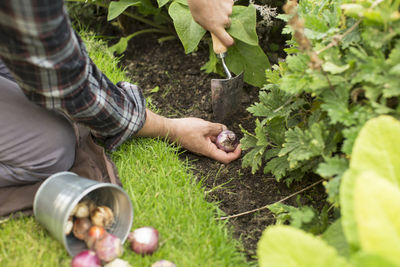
[[51, 65]]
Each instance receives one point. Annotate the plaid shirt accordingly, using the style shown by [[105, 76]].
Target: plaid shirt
[[51, 65]]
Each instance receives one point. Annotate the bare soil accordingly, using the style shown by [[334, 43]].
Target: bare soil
[[184, 90]]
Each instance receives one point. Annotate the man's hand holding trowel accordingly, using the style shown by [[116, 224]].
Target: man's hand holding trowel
[[213, 15], [226, 94]]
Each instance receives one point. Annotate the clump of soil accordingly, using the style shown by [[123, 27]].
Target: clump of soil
[[184, 90]]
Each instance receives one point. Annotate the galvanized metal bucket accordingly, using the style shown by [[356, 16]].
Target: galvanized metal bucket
[[61, 192]]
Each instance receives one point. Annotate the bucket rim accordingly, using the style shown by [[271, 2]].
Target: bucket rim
[[43, 185]]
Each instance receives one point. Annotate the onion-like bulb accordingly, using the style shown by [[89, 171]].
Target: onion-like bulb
[[108, 248], [86, 258], [102, 216], [118, 263], [144, 240], [227, 141], [163, 263], [81, 227]]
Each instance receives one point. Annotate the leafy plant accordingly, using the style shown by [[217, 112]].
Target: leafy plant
[[303, 217], [245, 56], [368, 234], [341, 70]]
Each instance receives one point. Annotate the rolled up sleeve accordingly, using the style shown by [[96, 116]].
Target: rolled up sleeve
[[50, 63]]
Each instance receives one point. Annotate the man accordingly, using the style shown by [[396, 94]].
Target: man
[[48, 81]]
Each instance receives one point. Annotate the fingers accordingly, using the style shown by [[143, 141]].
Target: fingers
[[225, 157], [224, 37], [215, 129]]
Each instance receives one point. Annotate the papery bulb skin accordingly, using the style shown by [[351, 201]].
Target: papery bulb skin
[[163, 263], [84, 208], [108, 248], [86, 258], [118, 263], [144, 240], [227, 141], [102, 216], [81, 228], [95, 233], [68, 226]]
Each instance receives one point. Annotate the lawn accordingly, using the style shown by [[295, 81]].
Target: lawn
[[164, 193]]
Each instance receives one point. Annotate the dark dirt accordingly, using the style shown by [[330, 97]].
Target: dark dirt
[[184, 90]]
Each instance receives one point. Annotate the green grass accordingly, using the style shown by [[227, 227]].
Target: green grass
[[164, 195]]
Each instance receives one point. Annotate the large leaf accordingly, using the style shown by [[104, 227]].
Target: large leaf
[[189, 32], [243, 25], [117, 7], [377, 212], [161, 3], [349, 223], [250, 59], [335, 237], [363, 259], [147, 7], [377, 148], [286, 246]]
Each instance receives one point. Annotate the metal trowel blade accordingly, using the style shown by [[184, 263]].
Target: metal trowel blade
[[226, 96]]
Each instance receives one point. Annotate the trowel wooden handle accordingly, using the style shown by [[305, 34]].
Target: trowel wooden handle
[[218, 46]]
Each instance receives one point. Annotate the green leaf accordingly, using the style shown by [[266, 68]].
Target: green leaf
[[243, 25], [333, 169], [162, 3], [333, 68], [147, 7], [121, 46], [377, 148], [336, 104], [364, 259], [276, 130], [297, 63], [253, 159], [350, 134], [249, 140], [378, 215], [334, 166], [335, 237], [212, 63], [261, 134], [116, 8], [353, 10], [349, 224], [297, 217], [250, 59], [155, 89], [295, 83], [332, 188], [183, 2], [304, 144], [272, 104], [286, 246], [190, 33], [278, 167]]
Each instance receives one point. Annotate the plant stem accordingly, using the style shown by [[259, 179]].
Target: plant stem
[[266, 206], [338, 38]]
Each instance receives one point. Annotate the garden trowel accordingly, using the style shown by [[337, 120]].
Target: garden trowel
[[226, 94]]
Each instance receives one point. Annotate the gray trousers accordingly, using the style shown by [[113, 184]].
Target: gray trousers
[[34, 143]]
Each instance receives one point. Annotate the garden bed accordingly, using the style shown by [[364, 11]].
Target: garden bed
[[177, 87]]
